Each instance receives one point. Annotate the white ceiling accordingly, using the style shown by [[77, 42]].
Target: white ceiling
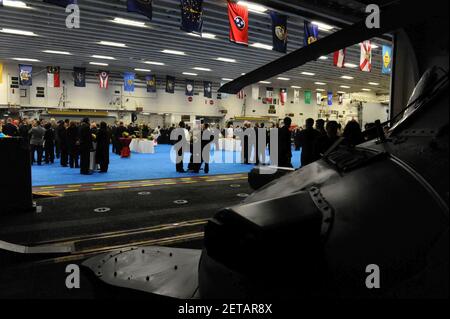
[[163, 32]]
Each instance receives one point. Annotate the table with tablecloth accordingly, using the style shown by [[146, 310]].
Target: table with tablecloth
[[142, 146]]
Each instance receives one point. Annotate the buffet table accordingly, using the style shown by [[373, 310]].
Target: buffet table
[[229, 144], [142, 146]]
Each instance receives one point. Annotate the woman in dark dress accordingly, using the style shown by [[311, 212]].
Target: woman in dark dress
[[49, 144], [103, 141], [73, 145]]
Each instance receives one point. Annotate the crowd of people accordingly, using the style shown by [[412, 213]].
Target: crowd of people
[[74, 142]]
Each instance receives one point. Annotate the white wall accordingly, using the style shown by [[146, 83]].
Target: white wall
[[166, 108]]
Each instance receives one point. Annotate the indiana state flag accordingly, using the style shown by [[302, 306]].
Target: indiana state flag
[[279, 32], [143, 7], [128, 81], [311, 33], [387, 59], [61, 3], [192, 15]]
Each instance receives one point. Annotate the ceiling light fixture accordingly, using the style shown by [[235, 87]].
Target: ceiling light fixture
[[265, 82], [57, 52], [308, 73], [262, 46], [154, 63], [283, 79], [189, 73], [323, 57], [103, 57], [346, 77], [374, 83], [320, 90], [226, 60], [345, 87], [99, 63], [367, 90], [142, 70], [15, 4], [226, 79], [175, 52], [252, 7], [18, 32], [113, 44], [26, 59], [323, 26], [202, 69], [129, 22], [296, 87], [320, 83]]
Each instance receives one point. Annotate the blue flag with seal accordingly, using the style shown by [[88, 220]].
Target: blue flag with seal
[[387, 59], [25, 75], [192, 16], [79, 77], [143, 7], [190, 87], [128, 81], [330, 98], [311, 33], [61, 3], [279, 32], [151, 83]]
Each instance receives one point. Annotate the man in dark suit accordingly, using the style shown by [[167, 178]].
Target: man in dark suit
[[61, 133], [10, 129], [307, 139], [85, 147], [285, 144]]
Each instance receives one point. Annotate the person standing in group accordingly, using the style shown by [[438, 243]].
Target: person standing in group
[[61, 132], [183, 143], [285, 144], [102, 153], [85, 146], [24, 128], [323, 143], [119, 134], [49, 144], [73, 145], [10, 129], [308, 138], [37, 133]]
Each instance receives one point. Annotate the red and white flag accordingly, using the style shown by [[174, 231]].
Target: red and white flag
[[238, 17], [53, 76], [241, 95], [365, 63], [104, 79], [339, 58], [283, 96]]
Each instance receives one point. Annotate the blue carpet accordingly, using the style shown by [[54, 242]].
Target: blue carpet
[[138, 167]]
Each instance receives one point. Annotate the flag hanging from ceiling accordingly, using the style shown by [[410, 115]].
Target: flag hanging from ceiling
[[207, 89], [387, 59], [341, 98], [53, 76], [311, 33], [79, 77], [240, 95], [279, 32], [128, 81], [269, 95], [308, 97], [365, 63], [190, 87], [25, 74], [319, 98], [1, 71], [61, 3], [143, 7], [104, 79], [170, 84], [283, 96], [192, 15], [330, 98], [238, 18], [296, 96], [150, 80], [339, 58]]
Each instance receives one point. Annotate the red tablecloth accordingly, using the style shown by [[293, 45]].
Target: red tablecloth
[[125, 147]]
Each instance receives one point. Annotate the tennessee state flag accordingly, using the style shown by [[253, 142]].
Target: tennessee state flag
[[238, 16]]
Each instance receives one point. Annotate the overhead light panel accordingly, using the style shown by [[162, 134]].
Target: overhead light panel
[[129, 22], [350, 65], [175, 52], [99, 63], [262, 46], [283, 79], [345, 87], [320, 90], [226, 60], [15, 4], [367, 90], [189, 73], [265, 82], [226, 79], [323, 57], [18, 32], [320, 83], [143, 70], [374, 83], [308, 73], [296, 87], [252, 7], [26, 60], [113, 44], [154, 63], [57, 52], [346, 77], [322, 26], [202, 69]]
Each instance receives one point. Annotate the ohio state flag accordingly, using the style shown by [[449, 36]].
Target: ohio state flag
[[339, 58], [238, 17], [53, 76], [365, 63], [104, 79], [283, 96]]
